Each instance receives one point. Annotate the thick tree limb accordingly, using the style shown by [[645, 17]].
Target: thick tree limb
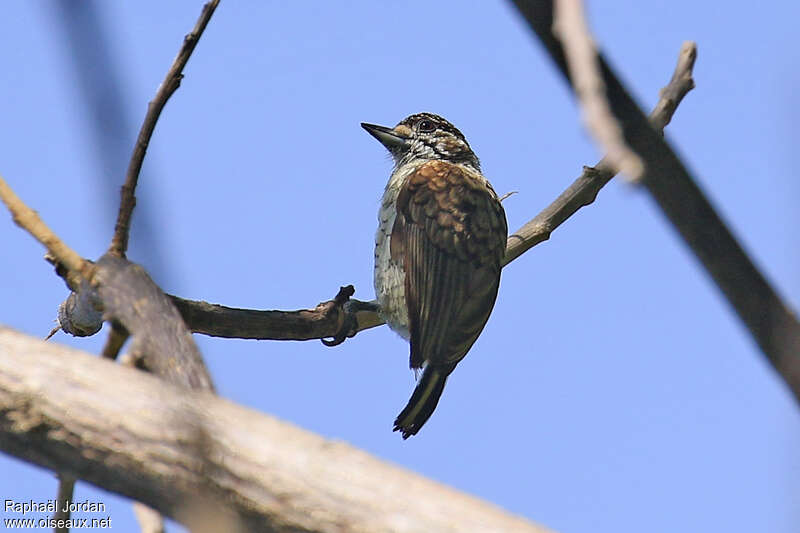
[[773, 325], [132, 434], [119, 242], [326, 319], [160, 342]]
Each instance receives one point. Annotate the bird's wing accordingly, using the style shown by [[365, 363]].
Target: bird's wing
[[450, 236]]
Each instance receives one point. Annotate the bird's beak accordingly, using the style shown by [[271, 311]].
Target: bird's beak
[[388, 137]]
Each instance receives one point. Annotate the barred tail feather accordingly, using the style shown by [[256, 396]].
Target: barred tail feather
[[423, 401]]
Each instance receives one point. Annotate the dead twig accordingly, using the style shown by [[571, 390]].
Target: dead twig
[[119, 242], [584, 189], [29, 220], [66, 487], [569, 25]]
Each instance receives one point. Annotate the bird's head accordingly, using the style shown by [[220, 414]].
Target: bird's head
[[424, 137]]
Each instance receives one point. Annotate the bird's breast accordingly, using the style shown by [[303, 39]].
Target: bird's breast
[[389, 276]]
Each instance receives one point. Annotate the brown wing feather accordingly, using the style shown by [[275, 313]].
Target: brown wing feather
[[450, 234]]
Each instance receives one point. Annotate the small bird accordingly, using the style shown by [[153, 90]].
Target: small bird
[[438, 251]]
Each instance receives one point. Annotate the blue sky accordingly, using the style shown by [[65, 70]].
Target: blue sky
[[613, 390]]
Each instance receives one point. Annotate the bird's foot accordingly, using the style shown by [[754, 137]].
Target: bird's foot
[[348, 312]]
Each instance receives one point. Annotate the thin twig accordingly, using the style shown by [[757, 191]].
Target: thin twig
[[116, 339], [87, 36], [29, 220], [583, 190], [508, 195], [569, 25], [66, 487], [119, 243]]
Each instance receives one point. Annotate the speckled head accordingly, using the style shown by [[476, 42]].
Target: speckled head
[[423, 137]]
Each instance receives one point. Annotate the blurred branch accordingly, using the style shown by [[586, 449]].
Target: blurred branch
[[66, 487], [120, 289], [26, 218], [150, 520], [328, 319], [772, 324], [119, 243], [128, 299], [116, 339], [570, 26], [136, 436], [180, 451], [160, 342], [583, 190]]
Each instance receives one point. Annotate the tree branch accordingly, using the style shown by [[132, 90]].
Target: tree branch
[[28, 219], [160, 342], [132, 434], [571, 28], [583, 190], [772, 324], [119, 242], [66, 487], [326, 319]]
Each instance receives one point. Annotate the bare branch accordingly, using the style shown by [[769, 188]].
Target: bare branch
[[115, 290], [772, 324], [86, 44], [680, 84], [570, 27], [119, 243], [66, 487], [327, 319], [29, 220], [160, 341], [150, 520], [583, 190], [135, 435]]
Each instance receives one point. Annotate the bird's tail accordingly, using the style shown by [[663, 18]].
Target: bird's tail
[[422, 403]]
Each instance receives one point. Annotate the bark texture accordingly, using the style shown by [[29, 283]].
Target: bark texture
[[184, 452]]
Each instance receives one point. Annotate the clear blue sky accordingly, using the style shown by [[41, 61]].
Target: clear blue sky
[[613, 389]]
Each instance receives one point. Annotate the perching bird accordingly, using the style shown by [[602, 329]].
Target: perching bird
[[438, 250]]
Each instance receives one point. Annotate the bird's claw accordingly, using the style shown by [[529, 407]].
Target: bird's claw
[[349, 326]]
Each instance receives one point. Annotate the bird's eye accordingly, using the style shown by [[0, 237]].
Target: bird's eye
[[426, 125]]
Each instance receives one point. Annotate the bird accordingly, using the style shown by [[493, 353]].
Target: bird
[[439, 249]]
